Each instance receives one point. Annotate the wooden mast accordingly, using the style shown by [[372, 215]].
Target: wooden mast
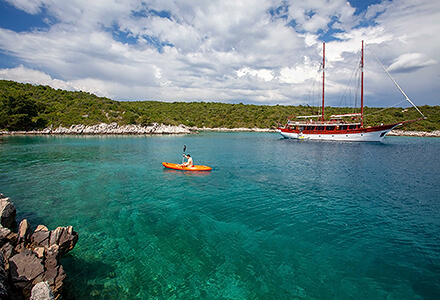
[[323, 79], [362, 85]]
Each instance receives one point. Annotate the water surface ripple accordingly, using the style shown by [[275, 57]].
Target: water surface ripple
[[274, 219]]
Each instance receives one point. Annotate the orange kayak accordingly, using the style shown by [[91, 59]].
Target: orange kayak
[[179, 167]]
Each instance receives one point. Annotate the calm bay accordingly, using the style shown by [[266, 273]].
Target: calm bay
[[274, 219]]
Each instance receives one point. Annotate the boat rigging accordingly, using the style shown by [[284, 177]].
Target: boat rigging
[[337, 127]]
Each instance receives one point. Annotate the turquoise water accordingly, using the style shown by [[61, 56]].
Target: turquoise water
[[275, 219]]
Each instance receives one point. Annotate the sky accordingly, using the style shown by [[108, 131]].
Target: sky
[[232, 51]]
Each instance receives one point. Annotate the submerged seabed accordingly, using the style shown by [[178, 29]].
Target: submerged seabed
[[275, 219]]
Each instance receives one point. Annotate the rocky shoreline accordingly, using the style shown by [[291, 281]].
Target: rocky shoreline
[[115, 129], [103, 128], [30, 261], [435, 133]]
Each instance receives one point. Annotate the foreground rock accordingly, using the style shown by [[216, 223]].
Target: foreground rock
[[7, 212], [42, 291], [30, 261]]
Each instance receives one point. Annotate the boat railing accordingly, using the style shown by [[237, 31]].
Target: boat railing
[[346, 115], [317, 122]]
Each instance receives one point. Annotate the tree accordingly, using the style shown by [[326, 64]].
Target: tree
[[17, 111]]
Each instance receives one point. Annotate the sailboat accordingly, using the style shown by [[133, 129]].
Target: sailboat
[[343, 127]]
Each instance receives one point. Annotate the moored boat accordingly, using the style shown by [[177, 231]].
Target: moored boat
[[344, 127]]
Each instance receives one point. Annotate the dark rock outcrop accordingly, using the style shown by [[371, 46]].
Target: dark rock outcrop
[[8, 212], [4, 290], [28, 259]]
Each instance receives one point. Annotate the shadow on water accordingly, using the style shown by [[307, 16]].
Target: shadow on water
[[34, 218], [79, 271]]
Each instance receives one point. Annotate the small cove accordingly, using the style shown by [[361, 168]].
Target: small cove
[[275, 218]]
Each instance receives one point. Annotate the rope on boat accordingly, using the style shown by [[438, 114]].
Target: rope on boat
[[407, 98], [376, 112], [347, 89]]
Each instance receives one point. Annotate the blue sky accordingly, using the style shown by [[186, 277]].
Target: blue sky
[[250, 51]]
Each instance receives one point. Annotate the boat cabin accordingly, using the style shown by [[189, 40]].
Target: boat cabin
[[317, 126]]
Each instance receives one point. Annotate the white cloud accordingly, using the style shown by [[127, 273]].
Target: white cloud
[[301, 73], [316, 15], [219, 50], [411, 61], [26, 75], [263, 74], [30, 6]]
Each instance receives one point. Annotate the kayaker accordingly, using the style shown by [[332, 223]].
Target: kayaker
[[189, 163]]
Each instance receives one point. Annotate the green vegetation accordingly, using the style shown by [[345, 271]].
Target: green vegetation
[[26, 107]]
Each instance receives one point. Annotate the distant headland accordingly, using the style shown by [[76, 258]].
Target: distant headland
[[37, 109], [115, 129]]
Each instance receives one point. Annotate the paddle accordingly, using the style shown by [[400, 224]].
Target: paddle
[[184, 149]]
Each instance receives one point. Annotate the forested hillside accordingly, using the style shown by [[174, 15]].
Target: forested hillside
[[27, 107]]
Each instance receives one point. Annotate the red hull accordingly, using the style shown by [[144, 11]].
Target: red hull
[[337, 130]]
